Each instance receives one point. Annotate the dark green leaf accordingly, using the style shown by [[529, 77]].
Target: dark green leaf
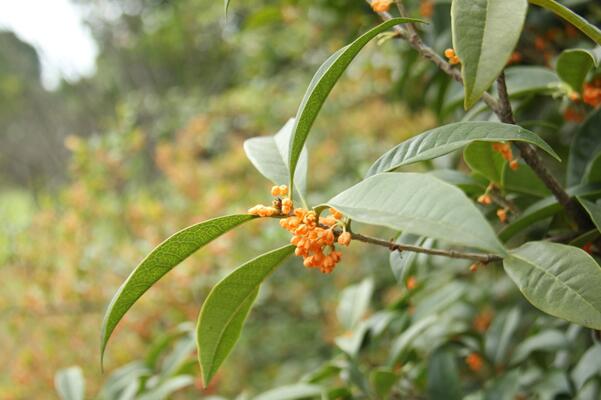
[[419, 204], [585, 148], [524, 180], [382, 380], [499, 335], [582, 24], [485, 33], [573, 65], [593, 170], [560, 280], [447, 138], [484, 160], [322, 83], [444, 382], [226, 308], [160, 261], [593, 210]]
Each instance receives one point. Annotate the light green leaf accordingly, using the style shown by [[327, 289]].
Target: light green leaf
[[270, 154], [573, 65], [226, 308], [560, 280], [354, 301], [160, 261], [167, 388], [70, 383], [499, 335], [544, 208], [588, 366], [485, 33], [586, 146], [292, 392], [593, 210], [482, 159], [322, 83], [419, 204], [444, 382], [548, 341], [582, 24], [447, 138], [400, 346], [226, 5], [403, 263]]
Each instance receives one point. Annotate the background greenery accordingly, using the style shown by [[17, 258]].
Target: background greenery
[[95, 174]]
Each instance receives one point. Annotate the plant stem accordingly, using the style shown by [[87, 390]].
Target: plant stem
[[478, 257], [503, 110]]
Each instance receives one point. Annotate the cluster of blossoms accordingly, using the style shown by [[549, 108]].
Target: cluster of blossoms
[[453, 58], [505, 150], [485, 199], [314, 237], [591, 93]]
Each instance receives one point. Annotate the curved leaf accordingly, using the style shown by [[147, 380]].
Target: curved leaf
[[269, 155], [443, 375], [593, 210], [70, 383], [585, 147], [485, 33], [560, 280], [322, 83], [403, 263], [593, 170], [447, 138], [419, 204], [562, 11], [483, 160], [226, 308], [160, 261], [573, 65]]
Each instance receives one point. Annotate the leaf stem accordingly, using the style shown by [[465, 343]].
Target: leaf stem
[[478, 257]]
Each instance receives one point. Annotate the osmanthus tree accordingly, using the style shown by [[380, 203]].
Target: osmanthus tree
[[514, 211]]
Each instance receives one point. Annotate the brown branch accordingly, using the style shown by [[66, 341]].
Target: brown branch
[[478, 257], [503, 110]]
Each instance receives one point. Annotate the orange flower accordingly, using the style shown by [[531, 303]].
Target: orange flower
[[453, 58], [474, 362], [573, 115], [474, 267], [381, 5], [287, 206], [482, 321], [502, 214], [344, 238], [485, 199], [515, 58], [588, 248], [426, 8], [411, 282]]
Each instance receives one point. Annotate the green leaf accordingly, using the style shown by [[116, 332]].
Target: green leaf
[[226, 5], [292, 392], [545, 208], [354, 301], [400, 346], [586, 146], [524, 180], [499, 335], [226, 308], [447, 138], [484, 160], [588, 366], [573, 65], [560, 280], [403, 263], [593, 170], [444, 382], [485, 33], [160, 261], [269, 155], [165, 389], [322, 83], [548, 341], [382, 380], [419, 204], [70, 383], [582, 24], [593, 210], [463, 181]]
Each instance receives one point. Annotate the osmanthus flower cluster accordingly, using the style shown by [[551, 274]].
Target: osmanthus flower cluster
[[314, 236]]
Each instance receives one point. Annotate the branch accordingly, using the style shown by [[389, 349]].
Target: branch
[[503, 110], [478, 257]]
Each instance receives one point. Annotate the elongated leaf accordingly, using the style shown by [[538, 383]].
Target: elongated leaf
[[226, 308], [400, 346], [524, 180], [322, 83], [593, 210], [499, 335], [549, 341], [160, 261], [447, 138], [482, 159], [419, 204], [588, 366], [270, 154], [573, 65], [593, 170], [292, 392], [382, 380], [582, 24], [560, 280], [545, 208], [585, 147], [354, 301], [403, 263], [485, 33], [70, 383], [444, 382]]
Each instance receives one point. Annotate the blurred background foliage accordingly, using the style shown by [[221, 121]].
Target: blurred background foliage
[[96, 173]]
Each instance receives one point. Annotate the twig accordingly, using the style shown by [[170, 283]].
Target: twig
[[479, 257], [503, 110]]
